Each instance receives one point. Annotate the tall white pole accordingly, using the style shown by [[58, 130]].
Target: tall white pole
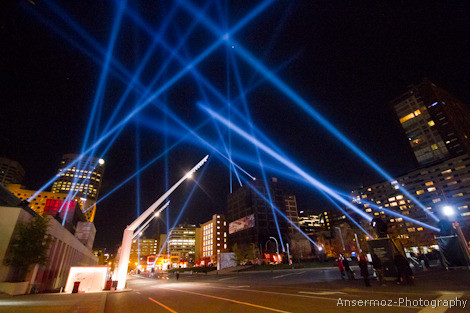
[[129, 231]]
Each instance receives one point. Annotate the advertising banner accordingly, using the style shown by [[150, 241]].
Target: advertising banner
[[242, 224]]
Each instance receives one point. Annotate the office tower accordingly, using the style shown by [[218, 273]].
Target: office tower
[[436, 124], [250, 217], [182, 242], [82, 180], [11, 172], [214, 239]]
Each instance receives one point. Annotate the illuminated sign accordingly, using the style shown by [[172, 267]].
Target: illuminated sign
[[241, 224]]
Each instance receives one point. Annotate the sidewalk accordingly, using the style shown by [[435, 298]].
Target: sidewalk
[[54, 303], [429, 282]]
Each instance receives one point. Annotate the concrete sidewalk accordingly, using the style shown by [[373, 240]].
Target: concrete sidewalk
[[431, 281], [54, 303]]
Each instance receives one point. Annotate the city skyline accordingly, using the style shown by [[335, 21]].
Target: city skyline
[[348, 71]]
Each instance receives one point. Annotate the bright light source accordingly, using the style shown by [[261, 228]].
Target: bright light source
[[448, 210], [157, 214], [101, 161], [320, 249], [189, 175]]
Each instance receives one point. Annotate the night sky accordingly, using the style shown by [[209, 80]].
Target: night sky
[[347, 59]]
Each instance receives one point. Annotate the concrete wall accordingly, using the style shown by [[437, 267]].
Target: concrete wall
[[65, 250], [9, 216]]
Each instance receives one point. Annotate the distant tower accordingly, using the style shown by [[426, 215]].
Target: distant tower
[[82, 180], [436, 123], [11, 172]]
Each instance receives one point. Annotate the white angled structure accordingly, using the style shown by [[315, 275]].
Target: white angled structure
[[130, 230]]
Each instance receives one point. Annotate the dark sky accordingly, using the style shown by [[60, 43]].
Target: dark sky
[[347, 59]]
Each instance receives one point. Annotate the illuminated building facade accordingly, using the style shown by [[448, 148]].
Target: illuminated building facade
[[38, 204], [214, 238], [309, 223], [182, 242], [83, 180], [436, 124], [141, 248], [446, 183], [11, 172]]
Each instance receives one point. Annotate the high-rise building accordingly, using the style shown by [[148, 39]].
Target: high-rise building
[[250, 217], [11, 172], [141, 248], [214, 238], [182, 242], [436, 123], [82, 180], [443, 184]]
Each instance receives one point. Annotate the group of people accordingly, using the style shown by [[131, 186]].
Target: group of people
[[404, 276]]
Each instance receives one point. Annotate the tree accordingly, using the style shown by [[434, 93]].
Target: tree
[[239, 256], [29, 246]]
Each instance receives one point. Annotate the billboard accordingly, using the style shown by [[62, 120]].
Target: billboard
[[241, 224]]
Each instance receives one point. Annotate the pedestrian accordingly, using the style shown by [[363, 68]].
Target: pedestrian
[[364, 270], [339, 262], [405, 275], [379, 269], [347, 269], [177, 275]]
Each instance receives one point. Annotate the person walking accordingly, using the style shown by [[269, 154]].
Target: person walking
[[364, 270], [347, 269], [339, 262], [405, 275], [379, 269]]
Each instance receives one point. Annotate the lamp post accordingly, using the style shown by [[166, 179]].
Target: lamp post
[[129, 231], [341, 236]]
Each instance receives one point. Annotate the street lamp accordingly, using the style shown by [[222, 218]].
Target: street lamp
[[448, 210], [130, 230], [341, 236]]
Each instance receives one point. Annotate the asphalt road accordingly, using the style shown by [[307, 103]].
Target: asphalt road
[[300, 290]]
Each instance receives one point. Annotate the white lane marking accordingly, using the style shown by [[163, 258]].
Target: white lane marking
[[318, 293], [227, 278], [299, 273], [441, 309], [238, 286]]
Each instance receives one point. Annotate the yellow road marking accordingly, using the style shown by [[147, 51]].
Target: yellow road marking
[[230, 300], [161, 304]]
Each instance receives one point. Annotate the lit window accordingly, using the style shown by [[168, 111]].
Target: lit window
[[411, 229], [446, 171], [429, 183], [368, 210], [434, 147], [431, 123], [393, 204], [419, 192], [419, 229], [391, 199], [436, 200], [399, 197], [431, 189]]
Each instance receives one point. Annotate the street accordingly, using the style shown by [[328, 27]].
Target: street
[[299, 290]]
